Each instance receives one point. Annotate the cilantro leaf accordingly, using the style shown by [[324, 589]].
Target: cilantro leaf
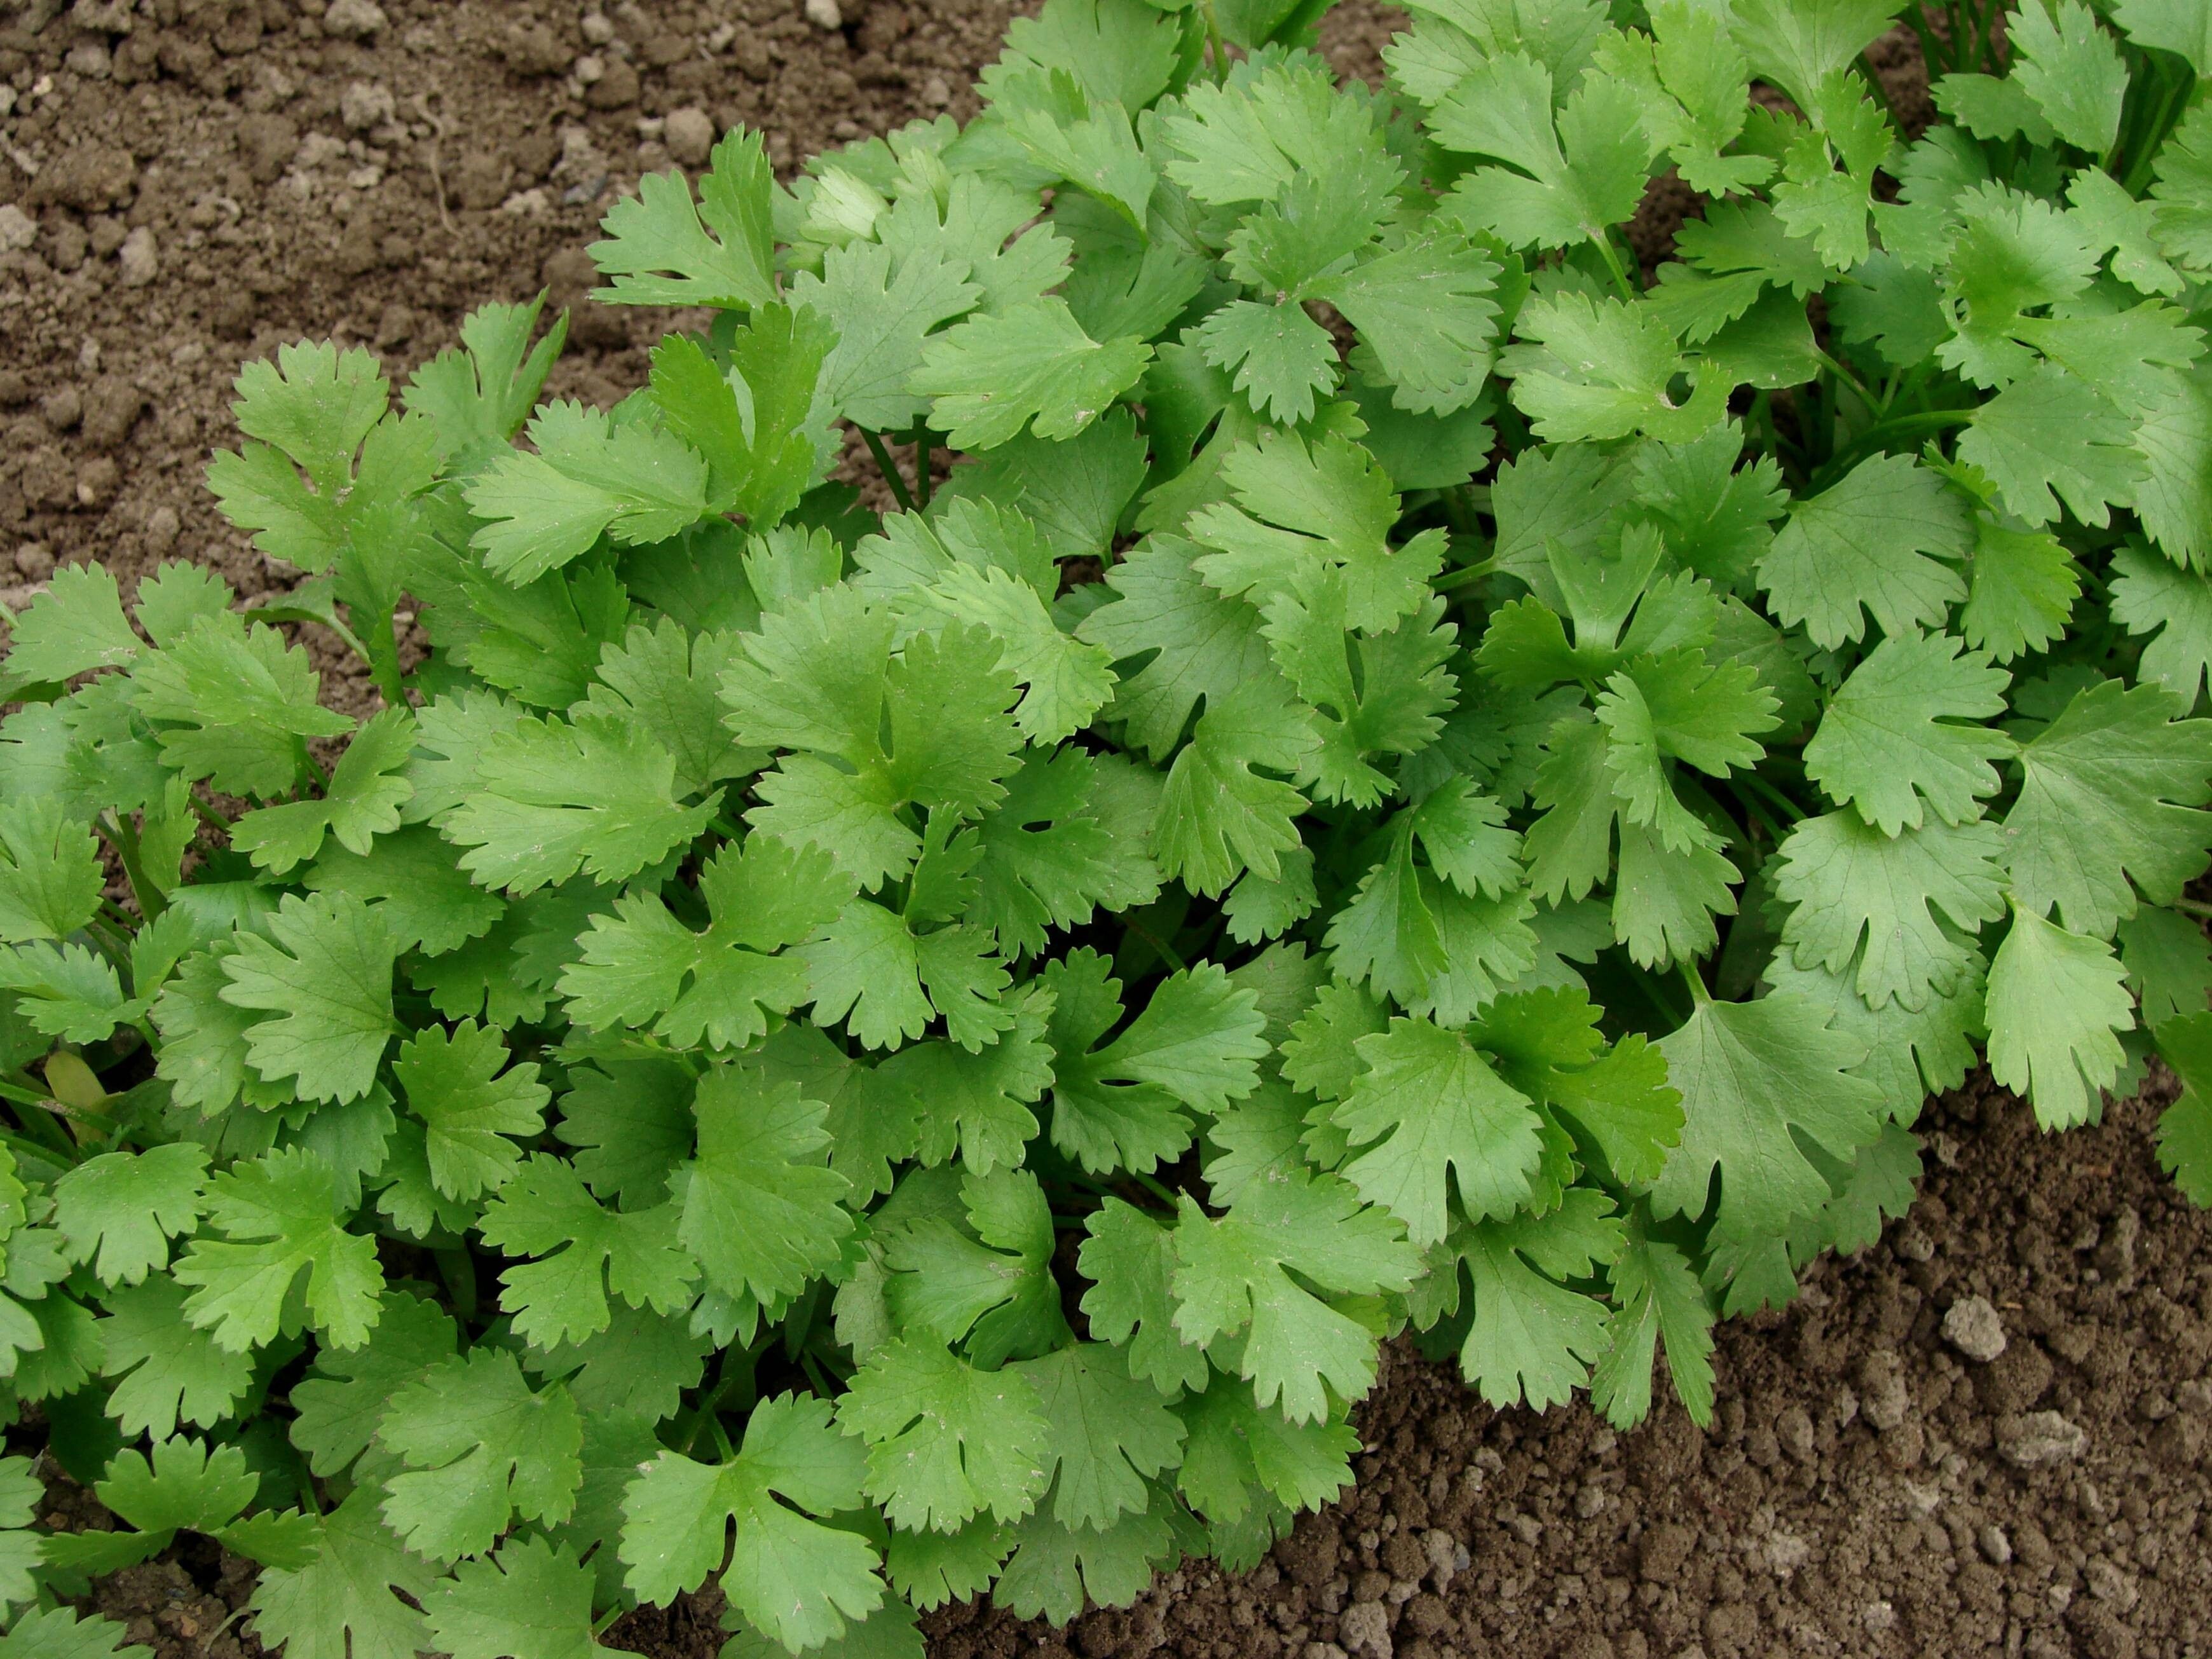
[[1232, 1275], [325, 973], [75, 626], [1916, 899], [119, 1210], [1840, 557], [279, 1219], [362, 801], [344, 1593], [717, 249], [1111, 1434], [50, 881], [1890, 743], [470, 1107], [760, 1212], [1129, 1259], [990, 375], [596, 795], [946, 1440], [530, 1601], [587, 1252], [1436, 1107], [2111, 792], [1219, 815], [1196, 1045], [479, 1447], [2057, 1005], [1760, 1081], [2184, 1128], [795, 1577]]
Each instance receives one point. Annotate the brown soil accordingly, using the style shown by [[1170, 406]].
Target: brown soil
[[202, 179]]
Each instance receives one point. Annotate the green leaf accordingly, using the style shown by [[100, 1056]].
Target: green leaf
[[51, 880], [946, 1440], [362, 801], [342, 1398], [1559, 186], [1915, 900], [631, 482], [1129, 1257], [2169, 962], [991, 375], [662, 249], [1303, 509], [1597, 369], [470, 1107], [796, 1578], [2048, 437], [640, 965], [1657, 1300], [993, 1290], [1231, 1277], [2184, 1128], [1760, 1081], [479, 394], [2057, 1005], [325, 974], [666, 681], [758, 423], [564, 1297], [2072, 70], [2024, 584], [1436, 1106], [1111, 1434], [2150, 596], [63, 1634], [479, 1447], [1196, 1045], [119, 1211], [1425, 311], [1218, 815], [532, 1601], [1873, 544], [1890, 745], [2111, 792], [342, 1601], [761, 1212], [553, 798], [279, 1219], [1531, 1338], [1282, 360], [884, 306], [233, 704], [75, 626], [165, 1371]]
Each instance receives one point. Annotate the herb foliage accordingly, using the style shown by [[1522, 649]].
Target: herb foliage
[[878, 1059]]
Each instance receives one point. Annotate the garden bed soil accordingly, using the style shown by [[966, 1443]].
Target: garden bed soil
[[187, 183]]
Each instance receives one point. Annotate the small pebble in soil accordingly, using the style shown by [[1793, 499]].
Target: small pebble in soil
[[1973, 1329], [825, 15], [2038, 1440]]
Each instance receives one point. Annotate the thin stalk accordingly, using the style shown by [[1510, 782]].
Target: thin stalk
[[1836, 368], [1168, 954], [1466, 576], [1217, 48], [115, 830], [2190, 906], [923, 484], [1696, 981], [1612, 258], [1882, 433], [1155, 1189], [892, 475], [459, 1269], [1792, 813]]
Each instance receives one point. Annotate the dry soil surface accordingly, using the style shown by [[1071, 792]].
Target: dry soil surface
[[186, 183]]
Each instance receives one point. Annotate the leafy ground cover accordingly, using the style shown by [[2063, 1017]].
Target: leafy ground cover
[[663, 1099]]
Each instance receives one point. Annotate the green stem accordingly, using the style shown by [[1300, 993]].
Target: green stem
[[1155, 1189], [1466, 576], [922, 482], [459, 1269], [1836, 368], [115, 830], [2190, 906], [892, 475], [1168, 952], [209, 816], [1216, 47], [1692, 978], [1883, 432], [1612, 258], [1792, 813]]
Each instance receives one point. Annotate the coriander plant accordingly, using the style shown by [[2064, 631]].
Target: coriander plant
[[1412, 775]]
